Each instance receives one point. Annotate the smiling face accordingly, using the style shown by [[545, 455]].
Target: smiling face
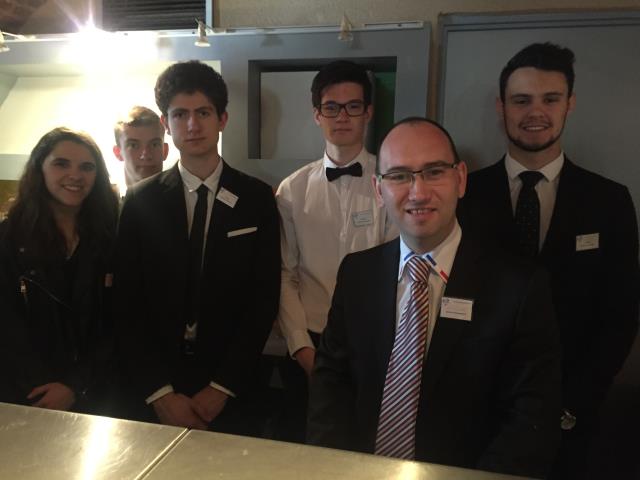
[[343, 130], [424, 211], [142, 149], [69, 174], [535, 108], [195, 126]]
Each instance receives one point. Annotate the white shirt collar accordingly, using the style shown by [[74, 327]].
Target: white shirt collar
[[192, 182], [550, 171], [443, 254], [361, 157]]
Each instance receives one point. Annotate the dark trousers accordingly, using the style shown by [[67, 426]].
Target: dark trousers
[[292, 426]]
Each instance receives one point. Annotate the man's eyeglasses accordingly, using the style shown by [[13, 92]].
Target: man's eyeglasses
[[332, 109], [432, 174]]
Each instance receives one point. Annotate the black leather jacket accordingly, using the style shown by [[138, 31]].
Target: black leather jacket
[[53, 329]]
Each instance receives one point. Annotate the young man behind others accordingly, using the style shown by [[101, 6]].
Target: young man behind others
[[140, 144], [328, 210]]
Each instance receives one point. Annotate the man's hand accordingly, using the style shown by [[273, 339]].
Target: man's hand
[[55, 396], [178, 410], [306, 357], [209, 402]]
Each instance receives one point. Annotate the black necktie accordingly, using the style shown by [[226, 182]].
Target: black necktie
[[527, 216], [355, 170], [196, 242]]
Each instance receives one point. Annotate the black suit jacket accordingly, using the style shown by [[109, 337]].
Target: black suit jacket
[[595, 292], [240, 284], [490, 386]]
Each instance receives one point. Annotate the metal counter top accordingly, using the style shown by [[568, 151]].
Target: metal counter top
[[207, 455], [36, 443]]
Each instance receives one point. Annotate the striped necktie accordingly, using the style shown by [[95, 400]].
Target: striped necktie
[[401, 394]]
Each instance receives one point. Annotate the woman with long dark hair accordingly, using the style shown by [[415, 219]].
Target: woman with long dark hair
[[55, 247]]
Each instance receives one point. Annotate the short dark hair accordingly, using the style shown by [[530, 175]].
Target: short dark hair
[[30, 219], [138, 116], [543, 56], [190, 77], [339, 72], [417, 121]]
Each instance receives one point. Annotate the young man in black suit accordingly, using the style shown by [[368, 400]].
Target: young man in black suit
[[198, 269], [459, 365], [580, 226]]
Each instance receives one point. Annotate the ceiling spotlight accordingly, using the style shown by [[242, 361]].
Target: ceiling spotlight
[[345, 34], [3, 46], [202, 40]]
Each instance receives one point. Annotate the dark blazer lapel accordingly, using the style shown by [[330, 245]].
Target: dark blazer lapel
[[464, 280], [487, 210], [221, 213], [502, 195], [385, 290], [174, 209], [563, 212]]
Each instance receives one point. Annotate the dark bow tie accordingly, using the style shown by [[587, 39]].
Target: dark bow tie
[[355, 170]]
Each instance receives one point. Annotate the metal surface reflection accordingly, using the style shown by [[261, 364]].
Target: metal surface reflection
[[37, 443], [206, 455]]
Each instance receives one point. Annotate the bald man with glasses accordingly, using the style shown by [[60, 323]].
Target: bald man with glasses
[[437, 349], [328, 210]]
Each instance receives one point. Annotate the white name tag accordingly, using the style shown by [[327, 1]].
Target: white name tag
[[361, 219], [226, 197], [456, 308], [242, 231], [590, 241]]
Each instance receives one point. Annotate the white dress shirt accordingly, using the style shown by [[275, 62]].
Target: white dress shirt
[[191, 183], [443, 254], [546, 188], [322, 222]]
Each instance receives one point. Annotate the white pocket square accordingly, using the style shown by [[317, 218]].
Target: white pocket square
[[242, 231]]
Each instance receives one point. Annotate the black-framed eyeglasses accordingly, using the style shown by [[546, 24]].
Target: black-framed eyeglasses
[[355, 108], [434, 173]]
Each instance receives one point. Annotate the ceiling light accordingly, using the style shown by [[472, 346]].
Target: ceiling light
[[3, 46], [202, 40], [345, 34]]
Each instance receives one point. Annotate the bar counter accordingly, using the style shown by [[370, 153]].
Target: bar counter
[[37, 444]]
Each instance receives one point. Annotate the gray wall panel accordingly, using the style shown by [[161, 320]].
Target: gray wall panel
[[601, 134]]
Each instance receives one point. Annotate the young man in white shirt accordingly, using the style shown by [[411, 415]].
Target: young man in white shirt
[[328, 210]]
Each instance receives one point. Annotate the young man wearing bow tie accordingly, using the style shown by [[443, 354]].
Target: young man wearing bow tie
[[328, 210]]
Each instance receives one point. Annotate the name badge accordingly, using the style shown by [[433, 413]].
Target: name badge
[[361, 219], [226, 197], [590, 241], [456, 308]]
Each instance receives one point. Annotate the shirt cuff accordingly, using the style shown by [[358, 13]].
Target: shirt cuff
[[213, 384], [297, 340], [161, 392]]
